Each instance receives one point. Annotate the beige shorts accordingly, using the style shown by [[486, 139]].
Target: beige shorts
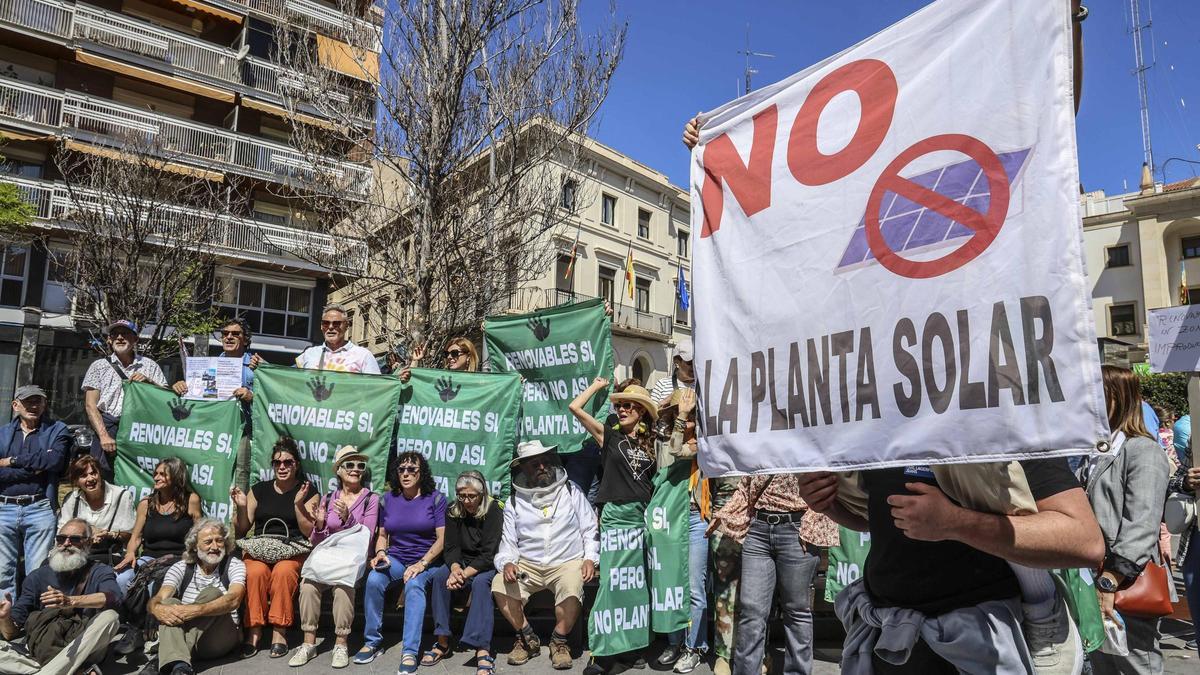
[[565, 581]]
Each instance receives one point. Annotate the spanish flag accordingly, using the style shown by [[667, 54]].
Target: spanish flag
[[629, 270]]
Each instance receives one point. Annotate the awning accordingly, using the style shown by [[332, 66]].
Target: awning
[[280, 111], [210, 10], [173, 167], [20, 136], [356, 62], [174, 82]]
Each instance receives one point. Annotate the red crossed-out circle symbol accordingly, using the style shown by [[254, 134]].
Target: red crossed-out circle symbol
[[986, 225]]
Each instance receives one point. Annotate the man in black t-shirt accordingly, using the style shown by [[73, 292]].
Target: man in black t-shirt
[[933, 556]]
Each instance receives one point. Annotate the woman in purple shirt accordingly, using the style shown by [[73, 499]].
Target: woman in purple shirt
[[349, 505], [412, 526]]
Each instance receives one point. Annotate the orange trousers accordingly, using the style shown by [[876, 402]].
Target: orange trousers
[[271, 586]]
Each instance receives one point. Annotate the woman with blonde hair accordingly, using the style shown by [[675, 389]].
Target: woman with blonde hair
[[473, 528], [460, 355], [1127, 487]]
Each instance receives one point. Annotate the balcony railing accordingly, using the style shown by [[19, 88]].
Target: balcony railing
[[54, 202], [317, 16], [624, 316], [209, 146], [84, 22]]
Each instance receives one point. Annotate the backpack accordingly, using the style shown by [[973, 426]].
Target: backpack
[[189, 571]]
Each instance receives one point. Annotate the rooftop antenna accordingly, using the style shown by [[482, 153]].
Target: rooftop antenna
[[1135, 9], [747, 53]]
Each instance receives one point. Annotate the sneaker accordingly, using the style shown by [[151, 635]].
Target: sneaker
[[520, 653], [669, 655], [688, 660], [183, 669], [130, 642], [341, 656], [304, 653], [721, 666], [560, 655], [1054, 643], [1190, 644], [365, 655], [533, 643]]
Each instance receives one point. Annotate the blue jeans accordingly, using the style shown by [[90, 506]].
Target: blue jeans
[[416, 591], [32, 528], [477, 632], [1191, 579], [697, 634], [773, 554]]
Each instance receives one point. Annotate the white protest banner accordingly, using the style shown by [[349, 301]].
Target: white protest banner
[[888, 254], [1174, 337]]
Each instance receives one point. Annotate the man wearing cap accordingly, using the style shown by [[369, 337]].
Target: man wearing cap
[[103, 396], [682, 375], [33, 452], [337, 353], [549, 542]]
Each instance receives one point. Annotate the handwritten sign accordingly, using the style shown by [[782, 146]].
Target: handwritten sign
[[1175, 339]]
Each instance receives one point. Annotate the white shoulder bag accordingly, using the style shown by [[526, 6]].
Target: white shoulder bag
[[339, 560]]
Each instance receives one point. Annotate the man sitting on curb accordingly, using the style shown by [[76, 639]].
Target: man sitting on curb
[[548, 542], [67, 609], [197, 604]]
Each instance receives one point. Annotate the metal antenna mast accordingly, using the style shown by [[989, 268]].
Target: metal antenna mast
[[747, 52], [1140, 73]]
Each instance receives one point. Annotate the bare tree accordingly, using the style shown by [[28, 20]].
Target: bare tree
[[481, 106], [135, 251]]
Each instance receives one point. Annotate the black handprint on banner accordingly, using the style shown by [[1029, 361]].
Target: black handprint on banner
[[540, 328], [180, 410], [446, 389], [320, 391]]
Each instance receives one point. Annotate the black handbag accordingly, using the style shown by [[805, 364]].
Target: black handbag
[[112, 552]]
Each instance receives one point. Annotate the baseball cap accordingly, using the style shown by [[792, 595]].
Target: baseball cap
[[122, 323], [26, 390], [683, 350]]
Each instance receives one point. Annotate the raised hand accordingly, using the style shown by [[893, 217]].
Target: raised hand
[[446, 389], [239, 497], [320, 391], [540, 328], [302, 493], [687, 402], [600, 383]]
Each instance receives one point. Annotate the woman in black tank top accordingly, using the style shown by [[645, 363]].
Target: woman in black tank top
[[163, 517]]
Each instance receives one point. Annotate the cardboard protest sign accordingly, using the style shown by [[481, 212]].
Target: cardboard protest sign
[[559, 351], [156, 424], [888, 253], [323, 410], [1174, 338], [461, 421]]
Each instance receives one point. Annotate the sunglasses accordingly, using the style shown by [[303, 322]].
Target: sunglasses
[[75, 539], [232, 333], [454, 354], [408, 469], [332, 324], [354, 466], [288, 463], [625, 405]]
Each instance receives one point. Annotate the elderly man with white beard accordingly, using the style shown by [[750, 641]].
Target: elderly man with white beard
[[67, 608], [197, 604]]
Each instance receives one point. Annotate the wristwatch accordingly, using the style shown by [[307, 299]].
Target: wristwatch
[[1106, 584]]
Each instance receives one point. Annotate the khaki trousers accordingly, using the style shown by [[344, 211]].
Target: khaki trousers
[[209, 637], [310, 607], [88, 648]]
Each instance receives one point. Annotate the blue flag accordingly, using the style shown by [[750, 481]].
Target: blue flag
[[684, 299]]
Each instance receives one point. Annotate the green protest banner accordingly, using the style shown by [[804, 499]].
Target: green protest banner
[[669, 540], [157, 424], [620, 618], [847, 561], [461, 421], [323, 410], [559, 351]]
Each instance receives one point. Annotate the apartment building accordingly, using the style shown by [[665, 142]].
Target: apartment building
[[615, 205], [200, 78], [1141, 248]]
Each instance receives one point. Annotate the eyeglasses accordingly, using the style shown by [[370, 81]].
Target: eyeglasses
[[625, 405], [454, 354], [408, 469], [232, 333], [75, 539], [289, 463], [354, 466], [467, 497], [332, 324]]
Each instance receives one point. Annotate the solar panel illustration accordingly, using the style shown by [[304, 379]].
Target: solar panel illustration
[[912, 228]]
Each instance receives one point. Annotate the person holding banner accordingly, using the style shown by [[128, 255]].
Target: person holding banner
[[408, 550], [103, 394], [473, 528], [460, 355], [350, 504], [107, 508], [1127, 488], [270, 509], [337, 353]]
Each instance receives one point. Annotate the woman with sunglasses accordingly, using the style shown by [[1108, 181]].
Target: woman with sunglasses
[[408, 550], [350, 504], [460, 355], [473, 528], [628, 460], [271, 508]]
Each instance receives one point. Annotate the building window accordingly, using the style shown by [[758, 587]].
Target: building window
[[1123, 319], [567, 201], [1193, 296], [1191, 247], [1118, 256], [642, 294], [681, 244], [12, 276], [270, 309], [608, 210], [607, 282], [643, 223]]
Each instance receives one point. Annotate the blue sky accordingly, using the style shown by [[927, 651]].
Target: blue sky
[[682, 57]]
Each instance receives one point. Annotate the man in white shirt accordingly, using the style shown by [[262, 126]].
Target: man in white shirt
[[337, 353], [549, 542], [197, 604], [682, 375]]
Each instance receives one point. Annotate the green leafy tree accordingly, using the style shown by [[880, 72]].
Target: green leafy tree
[[1167, 391], [15, 213]]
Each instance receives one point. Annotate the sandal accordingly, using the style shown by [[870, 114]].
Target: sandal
[[485, 665], [278, 650], [408, 664], [249, 650], [435, 655]]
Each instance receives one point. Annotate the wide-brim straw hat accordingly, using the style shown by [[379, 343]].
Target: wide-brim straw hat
[[639, 395], [347, 452]]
